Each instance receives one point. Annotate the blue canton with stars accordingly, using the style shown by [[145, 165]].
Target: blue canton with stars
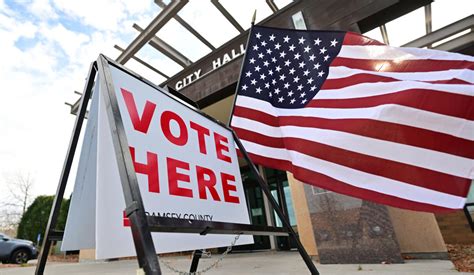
[[287, 67]]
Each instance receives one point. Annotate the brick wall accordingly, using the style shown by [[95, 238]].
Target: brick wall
[[455, 228]]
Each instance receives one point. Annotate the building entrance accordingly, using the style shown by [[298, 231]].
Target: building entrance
[[256, 207], [278, 183], [258, 213]]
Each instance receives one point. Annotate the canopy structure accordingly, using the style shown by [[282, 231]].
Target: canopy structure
[[379, 20]]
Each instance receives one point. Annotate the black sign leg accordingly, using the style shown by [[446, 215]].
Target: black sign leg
[[276, 207], [468, 215], [135, 210], [195, 262], [53, 215]]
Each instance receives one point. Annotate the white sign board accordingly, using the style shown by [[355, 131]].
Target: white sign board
[[186, 166]]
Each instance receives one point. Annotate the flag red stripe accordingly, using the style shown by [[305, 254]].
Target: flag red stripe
[[328, 183], [373, 165], [371, 128], [449, 104], [338, 83], [357, 39], [354, 138], [422, 65], [450, 81]]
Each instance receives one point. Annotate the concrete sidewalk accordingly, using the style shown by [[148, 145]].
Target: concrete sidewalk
[[246, 263]]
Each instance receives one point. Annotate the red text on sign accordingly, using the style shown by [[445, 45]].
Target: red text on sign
[[179, 180], [180, 137], [140, 124]]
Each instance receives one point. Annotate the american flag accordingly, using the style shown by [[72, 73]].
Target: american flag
[[352, 115]]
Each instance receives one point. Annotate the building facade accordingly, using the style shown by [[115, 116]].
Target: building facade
[[334, 228]]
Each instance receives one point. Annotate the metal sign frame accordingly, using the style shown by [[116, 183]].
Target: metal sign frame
[[142, 225], [468, 214]]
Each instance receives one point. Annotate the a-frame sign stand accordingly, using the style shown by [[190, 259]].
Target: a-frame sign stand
[[141, 224]]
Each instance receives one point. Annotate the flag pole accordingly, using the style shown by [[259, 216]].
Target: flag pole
[[253, 17], [263, 184], [242, 65]]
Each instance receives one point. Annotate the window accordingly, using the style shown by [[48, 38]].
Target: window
[[413, 25], [298, 21], [375, 34], [445, 12], [406, 28]]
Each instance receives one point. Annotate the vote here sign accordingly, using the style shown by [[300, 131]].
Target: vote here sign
[[186, 165]]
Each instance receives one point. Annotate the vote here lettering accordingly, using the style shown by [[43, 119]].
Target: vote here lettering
[[178, 131]]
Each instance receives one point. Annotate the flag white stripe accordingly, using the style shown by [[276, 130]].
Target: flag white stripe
[[376, 52], [358, 178], [463, 74], [381, 88], [416, 156], [389, 113]]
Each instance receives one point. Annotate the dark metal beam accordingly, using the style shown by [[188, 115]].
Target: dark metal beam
[[50, 234], [227, 15], [197, 254], [144, 63], [166, 49], [55, 235], [135, 210], [467, 212], [162, 224], [144, 37], [272, 5], [188, 27]]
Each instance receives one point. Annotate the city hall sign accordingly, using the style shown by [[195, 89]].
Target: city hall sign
[[214, 65]]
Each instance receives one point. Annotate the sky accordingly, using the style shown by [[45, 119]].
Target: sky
[[46, 47]]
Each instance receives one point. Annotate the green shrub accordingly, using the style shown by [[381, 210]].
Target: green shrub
[[35, 219]]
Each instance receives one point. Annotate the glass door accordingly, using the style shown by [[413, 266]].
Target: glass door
[[256, 207], [280, 190]]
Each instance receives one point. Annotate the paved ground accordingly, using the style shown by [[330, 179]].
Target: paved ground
[[247, 263]]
